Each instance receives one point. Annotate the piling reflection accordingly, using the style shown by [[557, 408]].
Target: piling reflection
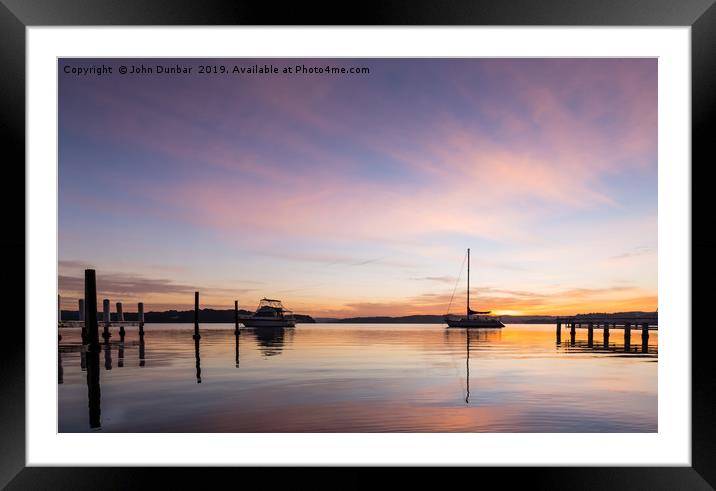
[[107, 356], [236, 335], [198, 359], [93, 389], [609, 346], [60, 370], [141, 350], [120, 353]]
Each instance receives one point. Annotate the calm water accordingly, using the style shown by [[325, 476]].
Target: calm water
[[360, 378]]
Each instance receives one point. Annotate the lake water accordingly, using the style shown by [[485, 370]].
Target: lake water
[[360, 378]]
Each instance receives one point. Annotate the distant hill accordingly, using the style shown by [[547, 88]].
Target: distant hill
[[438, 319], [208, 316]]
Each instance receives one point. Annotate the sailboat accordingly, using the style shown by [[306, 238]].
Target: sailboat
[[473, 319]]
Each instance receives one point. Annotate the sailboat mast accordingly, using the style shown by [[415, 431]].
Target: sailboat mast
[[468, 282]]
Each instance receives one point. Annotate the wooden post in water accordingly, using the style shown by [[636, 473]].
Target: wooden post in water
[[196, 315], [90, 309], [81, 312], [92, 354], [59, 318], [645, 337], [590, 334], [606, 334], [572, 334], [140, 318], [559, 331], [105, 318], [236, 316], [627, 336], [120, 318]]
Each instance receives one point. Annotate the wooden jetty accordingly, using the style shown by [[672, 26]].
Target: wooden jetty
[[606, 322]]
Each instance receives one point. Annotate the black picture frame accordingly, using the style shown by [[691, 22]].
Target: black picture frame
[[16, 15]]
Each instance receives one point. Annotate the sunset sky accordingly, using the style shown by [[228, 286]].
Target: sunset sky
[[351, 195]]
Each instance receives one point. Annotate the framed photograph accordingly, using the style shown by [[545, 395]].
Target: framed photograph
[[414, 237]]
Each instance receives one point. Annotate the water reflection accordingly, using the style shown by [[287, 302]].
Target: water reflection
[[198, 359], [141, 349], [60, 370], [237, 333], [93, 390], [360, 378], [476, 337], [107, 356], [120, 352], [613, 347], [271, 340]]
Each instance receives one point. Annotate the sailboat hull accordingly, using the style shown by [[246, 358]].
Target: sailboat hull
[[474, 323]]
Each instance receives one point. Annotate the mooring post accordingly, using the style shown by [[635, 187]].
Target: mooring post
[[120, 313], [645, 337], [120, 318], [90, 309], [140, 318], [572, 334], [236, 316], [606, 334], [590, 334], [196, 315], [59, 318], [92, 354], [559, 331], [105, 318], [627, 335]]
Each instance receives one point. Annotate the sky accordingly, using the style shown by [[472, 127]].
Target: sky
[[358, 194]]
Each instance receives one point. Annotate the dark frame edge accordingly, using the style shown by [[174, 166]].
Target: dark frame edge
[[12, 244], [703, 109], [702, 475]]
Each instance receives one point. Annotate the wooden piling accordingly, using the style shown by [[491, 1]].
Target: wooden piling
[[645, 337], [105, 311], [106, 319], [236, 316], [59, 318], [81, 309], [92, 352], [627, 335], [90, 310], [606, 335], [120, 318], [140, 317], [590, 334], [559, 332], [196, 315]]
